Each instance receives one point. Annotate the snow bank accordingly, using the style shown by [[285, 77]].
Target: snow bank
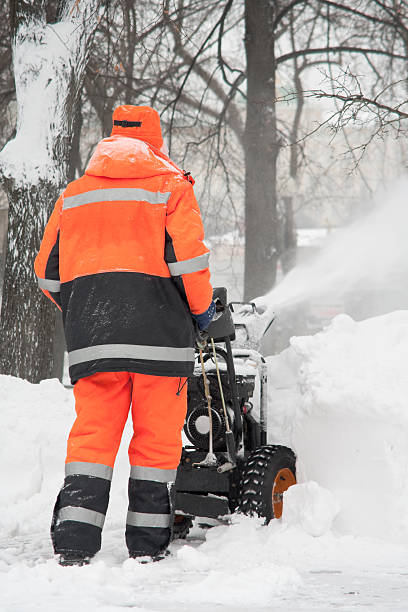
[[339, 398], [35, 419]]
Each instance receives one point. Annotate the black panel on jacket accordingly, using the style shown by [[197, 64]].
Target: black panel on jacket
[[52, 267], [126, 308], [170, 257], [169, 253]]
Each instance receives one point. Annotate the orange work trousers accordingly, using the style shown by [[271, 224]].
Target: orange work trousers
[[102, 403]]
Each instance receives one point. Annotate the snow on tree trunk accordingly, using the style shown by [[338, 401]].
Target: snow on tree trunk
[[261, 150], [49, 62]]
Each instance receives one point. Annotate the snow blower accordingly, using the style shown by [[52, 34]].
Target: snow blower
[[227, 464]]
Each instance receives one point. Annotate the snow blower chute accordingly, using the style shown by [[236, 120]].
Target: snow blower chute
[[227, 464]]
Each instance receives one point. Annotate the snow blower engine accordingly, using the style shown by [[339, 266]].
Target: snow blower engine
[[227, 464]]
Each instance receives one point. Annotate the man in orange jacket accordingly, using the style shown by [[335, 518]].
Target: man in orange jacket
[[123, 257]]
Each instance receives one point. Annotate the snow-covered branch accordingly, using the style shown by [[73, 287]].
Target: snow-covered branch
[[48, 62]]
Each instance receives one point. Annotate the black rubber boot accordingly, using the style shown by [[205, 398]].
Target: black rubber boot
[[151, 559], [69, 559]]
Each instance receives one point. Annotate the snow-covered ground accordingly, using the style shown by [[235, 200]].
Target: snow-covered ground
[[339, 398]]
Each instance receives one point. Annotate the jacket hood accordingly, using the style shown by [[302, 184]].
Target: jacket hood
[[141, 122], [123, 157]]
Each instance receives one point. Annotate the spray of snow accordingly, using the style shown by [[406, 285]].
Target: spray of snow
[[371, 252]]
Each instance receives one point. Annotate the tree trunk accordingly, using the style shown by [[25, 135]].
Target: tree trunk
[[27, 319], [48, 67], [261, 150], [3, 246], [289, 242]]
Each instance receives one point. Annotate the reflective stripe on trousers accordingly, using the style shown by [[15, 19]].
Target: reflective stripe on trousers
[[138, 472], [147, 519], [81, 515], [97, 470]]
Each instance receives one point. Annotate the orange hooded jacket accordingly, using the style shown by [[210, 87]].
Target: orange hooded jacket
[[123, 256]]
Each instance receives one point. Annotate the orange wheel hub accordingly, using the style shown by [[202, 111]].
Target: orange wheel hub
[[284, 479]]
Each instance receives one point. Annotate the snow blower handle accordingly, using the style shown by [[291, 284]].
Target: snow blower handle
[[201, 335], [252, 304], [220, 308]]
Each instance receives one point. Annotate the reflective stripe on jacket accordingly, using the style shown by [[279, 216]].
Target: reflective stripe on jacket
[[123, 257]]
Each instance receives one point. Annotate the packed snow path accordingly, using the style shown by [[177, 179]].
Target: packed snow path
[[339, 398], [241, 567]]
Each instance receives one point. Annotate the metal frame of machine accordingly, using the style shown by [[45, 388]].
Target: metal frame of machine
[[216, 477]]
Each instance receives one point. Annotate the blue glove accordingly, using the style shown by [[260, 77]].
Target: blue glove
[[204, 319]]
